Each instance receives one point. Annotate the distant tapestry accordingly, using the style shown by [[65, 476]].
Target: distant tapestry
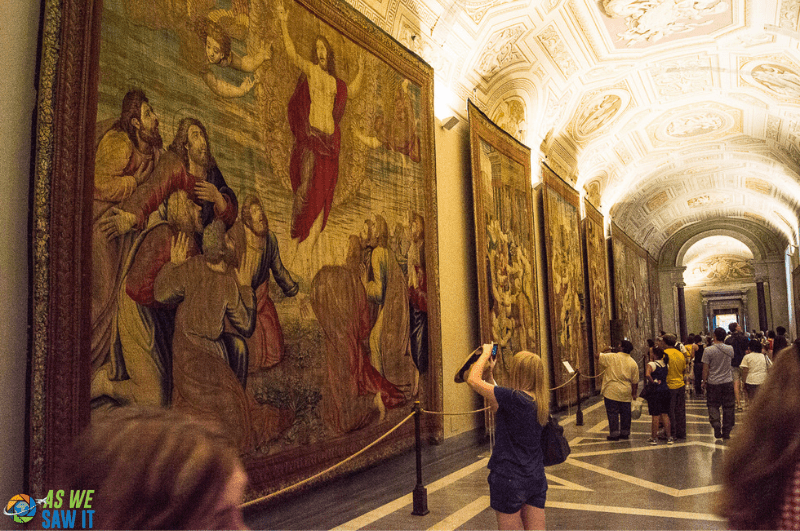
[[597, 269], [632, 291], [655, 293], [564, 264]]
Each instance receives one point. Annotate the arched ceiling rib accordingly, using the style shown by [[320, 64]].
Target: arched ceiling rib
[[763, 242], [666, 113]]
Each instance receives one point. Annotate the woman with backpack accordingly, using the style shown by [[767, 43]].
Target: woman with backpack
[[658, 399]]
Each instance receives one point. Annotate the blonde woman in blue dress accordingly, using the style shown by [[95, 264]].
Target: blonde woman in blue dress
[[517, 484]]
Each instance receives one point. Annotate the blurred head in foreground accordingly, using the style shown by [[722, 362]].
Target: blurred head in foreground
[[152, 468], [762, 462]]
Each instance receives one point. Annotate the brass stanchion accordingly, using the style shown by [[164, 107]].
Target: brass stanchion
[[578, 413], [420, 495]]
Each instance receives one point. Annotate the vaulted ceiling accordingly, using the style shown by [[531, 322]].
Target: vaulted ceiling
[[666, 114]]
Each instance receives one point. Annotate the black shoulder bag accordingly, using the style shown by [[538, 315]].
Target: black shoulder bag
[[555, 447]]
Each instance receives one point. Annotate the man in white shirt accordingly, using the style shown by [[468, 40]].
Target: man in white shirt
[[620, 383]]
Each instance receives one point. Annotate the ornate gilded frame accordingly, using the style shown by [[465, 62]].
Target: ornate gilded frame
[[61, 225], [565, 283], [505, 198]]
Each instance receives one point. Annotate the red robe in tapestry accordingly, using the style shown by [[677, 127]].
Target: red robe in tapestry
[[316, 183]]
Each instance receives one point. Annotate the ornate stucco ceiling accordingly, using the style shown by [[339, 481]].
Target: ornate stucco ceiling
[[665, 113]]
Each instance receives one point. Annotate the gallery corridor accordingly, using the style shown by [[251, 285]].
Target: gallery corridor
[[603, 485]]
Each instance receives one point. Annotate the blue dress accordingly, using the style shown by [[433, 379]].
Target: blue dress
[[517, 466]]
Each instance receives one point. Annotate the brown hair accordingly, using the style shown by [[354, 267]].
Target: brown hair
[[527, 374], [381, 229], [331, 66], [181, 139], [151, 468], [247, 217], [761, 461], [214, 244], [215, 31], [131, 108]]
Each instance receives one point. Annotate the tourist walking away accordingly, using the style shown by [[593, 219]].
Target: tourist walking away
[[658, 399], [676, 382], [761, 470], [698, 365], [620, 382], [718, 385], [517, 484], [754, 369], [739, 342]]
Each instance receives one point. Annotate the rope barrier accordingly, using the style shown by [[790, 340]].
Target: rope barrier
[[595, 376], [319, 474], [462, 413], [376, 441], [565, 383]]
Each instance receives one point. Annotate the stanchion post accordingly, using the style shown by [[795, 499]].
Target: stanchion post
[[578, 413], [420, 496]]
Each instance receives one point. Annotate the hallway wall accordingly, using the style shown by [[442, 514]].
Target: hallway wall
[[457, 272], [16, 105]]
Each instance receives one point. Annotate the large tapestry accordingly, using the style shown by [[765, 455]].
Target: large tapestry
[[506, 265], [263, 231], [597, 278], [562, 218], [632, 291]]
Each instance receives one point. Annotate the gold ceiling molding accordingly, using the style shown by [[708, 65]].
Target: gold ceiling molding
[[500, 51], [790, 14], [552, 43], [682, 76], [758, 185]]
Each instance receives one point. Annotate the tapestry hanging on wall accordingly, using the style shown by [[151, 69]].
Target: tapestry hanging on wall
[[562, 222], [599, 303], [504, 239], [253, 185], [632, 284]]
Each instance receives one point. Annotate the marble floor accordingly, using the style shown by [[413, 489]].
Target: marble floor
[[603, 485]]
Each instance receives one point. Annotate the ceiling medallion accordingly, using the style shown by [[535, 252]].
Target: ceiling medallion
[[719, 269], [598, 113], [707, 200], [510, 117], [774, 78], [694, 122], [648, 21]]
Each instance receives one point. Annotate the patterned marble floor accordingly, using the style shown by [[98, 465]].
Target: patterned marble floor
[[603, 485]]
